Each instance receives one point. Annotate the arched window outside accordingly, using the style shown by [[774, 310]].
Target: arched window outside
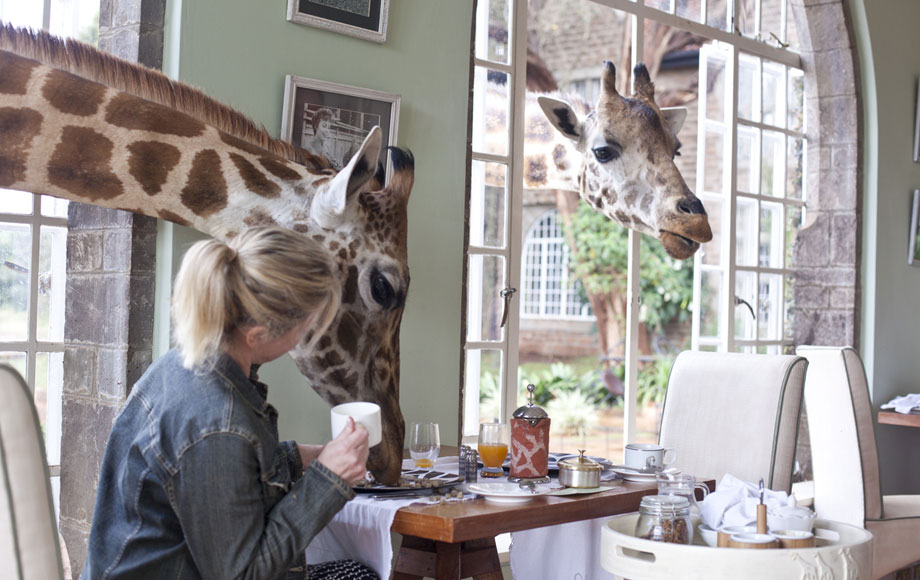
[[549, 290]]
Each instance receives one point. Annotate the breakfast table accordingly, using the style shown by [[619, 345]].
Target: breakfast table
[[903, 419], [454, 539]]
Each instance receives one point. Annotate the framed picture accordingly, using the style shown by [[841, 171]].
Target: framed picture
[[913, 249], [917, 127], [365, 19], [332, 120]]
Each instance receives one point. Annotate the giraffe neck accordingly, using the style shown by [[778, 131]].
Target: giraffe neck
[[73, 137], [551, 160]]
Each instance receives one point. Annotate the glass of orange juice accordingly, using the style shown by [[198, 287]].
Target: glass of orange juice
[[493, 448], [424, 444]]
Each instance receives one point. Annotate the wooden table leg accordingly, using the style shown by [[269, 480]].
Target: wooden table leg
[[419, 558]]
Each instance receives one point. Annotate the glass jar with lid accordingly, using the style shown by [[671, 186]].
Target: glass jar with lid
[[664, 518], [683, 485]]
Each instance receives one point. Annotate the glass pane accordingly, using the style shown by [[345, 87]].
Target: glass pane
[[54, 206], [17, 360], [17, 202], [484, 311], [716, 14], [75, 18], [711, 252], [747, 167], [746, 17], [15, 262], [490, 112], [49, 377], [792, 32], [771, 21], [492, 26], [19, 13], [689, 9], [482, 396], [774, 94], [710, 299], [51, 273], [772, 164], [746, 232], [748, 88], [770, 309], [663, 5], [713, 168], [789, 308], [793, 225], [715, 88], [488, 204], [745, 302], [771, 235], [795, 167], [796, 100]]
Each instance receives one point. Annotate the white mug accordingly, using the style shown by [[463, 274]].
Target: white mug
[[648, 456], [367, 414]]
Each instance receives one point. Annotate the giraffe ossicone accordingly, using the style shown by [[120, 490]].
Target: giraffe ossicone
[[620, 158], [83, 125]]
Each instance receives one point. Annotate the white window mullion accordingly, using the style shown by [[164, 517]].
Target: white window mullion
[[729, 245]]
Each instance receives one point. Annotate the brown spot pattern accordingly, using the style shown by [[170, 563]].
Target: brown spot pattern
[[622, 217], [150, 163], [258, 217], [255, 180], [631, 198], [559, 155], [173, 217], [537, 170], [646, 203], [348, 332], [279, 169], [205, 192], [81, 164], [70, 94], [241, 144], [130, 112], [610, 195], [15, 72], [17, 129]]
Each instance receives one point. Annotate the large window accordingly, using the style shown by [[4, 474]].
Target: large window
[[33, 247], [734, 66], [549, 289]]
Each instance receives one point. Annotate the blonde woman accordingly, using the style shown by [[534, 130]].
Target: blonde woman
[[194, 482]]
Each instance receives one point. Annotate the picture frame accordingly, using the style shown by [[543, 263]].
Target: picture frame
[[917, 127], [332, 119], [365, 19], [913, 247]]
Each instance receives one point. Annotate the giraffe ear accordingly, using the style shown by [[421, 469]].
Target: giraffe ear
[[328, 209], [561, 116], [675, 116]]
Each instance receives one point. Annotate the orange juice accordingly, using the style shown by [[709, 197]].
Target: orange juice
[[424, 462], [493, 455]]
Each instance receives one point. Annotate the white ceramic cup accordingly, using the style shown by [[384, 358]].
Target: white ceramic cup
[[648, 455], [367, 414]]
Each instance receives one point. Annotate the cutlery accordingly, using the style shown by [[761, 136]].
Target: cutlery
[[402, 494]]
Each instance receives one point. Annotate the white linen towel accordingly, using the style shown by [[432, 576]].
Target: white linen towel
[[734, 503], [564, 552], [906, 404]]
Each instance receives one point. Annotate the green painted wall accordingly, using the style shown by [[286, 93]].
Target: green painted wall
[[890, 67], [239, 51]]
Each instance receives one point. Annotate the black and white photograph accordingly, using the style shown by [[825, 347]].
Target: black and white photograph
[[913, 248], [332, 120], [365, 19]]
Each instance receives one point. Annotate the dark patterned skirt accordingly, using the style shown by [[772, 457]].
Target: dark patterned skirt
[[341, 570]]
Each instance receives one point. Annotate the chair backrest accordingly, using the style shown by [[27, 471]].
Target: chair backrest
[[842, 431], [29, 545], [734, 413]]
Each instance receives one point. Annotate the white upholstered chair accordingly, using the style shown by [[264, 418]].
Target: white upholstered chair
[[28, 533], [845, 459], [734, 413]]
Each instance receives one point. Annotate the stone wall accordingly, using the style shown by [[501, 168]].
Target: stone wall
[[108, 331]]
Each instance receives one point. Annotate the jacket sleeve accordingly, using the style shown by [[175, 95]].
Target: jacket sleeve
[[217, 494], [295, 463]]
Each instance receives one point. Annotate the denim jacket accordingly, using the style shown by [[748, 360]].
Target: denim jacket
[[195, 484]]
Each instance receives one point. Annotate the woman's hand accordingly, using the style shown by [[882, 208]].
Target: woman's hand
[[346, 455], [308, 453]]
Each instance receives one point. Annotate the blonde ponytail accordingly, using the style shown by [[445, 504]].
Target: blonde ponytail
[[266, 276]]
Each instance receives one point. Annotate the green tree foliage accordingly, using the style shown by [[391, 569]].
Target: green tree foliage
[[600, 262]]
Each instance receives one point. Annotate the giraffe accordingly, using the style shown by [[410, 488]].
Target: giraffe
[[620, 159], [82, 125]]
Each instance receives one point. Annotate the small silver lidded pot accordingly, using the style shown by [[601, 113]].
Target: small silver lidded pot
[[529, 443], [580, 471]]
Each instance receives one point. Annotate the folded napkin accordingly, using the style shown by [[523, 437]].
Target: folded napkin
[[906, 404], [734, 503]]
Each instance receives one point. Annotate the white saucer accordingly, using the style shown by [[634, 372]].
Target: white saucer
[[504, 492], [636, 476]]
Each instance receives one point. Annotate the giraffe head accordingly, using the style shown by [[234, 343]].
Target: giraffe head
[[628, 145], [364, 227]]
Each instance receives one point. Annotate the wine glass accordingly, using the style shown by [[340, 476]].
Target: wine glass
[[493, 448], [424, 444]]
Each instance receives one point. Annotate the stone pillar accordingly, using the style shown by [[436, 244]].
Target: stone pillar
[[108, 332]]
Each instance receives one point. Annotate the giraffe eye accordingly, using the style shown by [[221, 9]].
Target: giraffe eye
[[605, 153], [382, 291]]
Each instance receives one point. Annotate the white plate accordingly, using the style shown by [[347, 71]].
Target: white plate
[[504, 492], [637, 477]]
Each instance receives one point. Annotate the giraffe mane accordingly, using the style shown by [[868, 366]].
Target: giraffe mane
[[87, 62]]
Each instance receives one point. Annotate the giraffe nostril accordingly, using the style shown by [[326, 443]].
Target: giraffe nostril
[[691, 206]]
